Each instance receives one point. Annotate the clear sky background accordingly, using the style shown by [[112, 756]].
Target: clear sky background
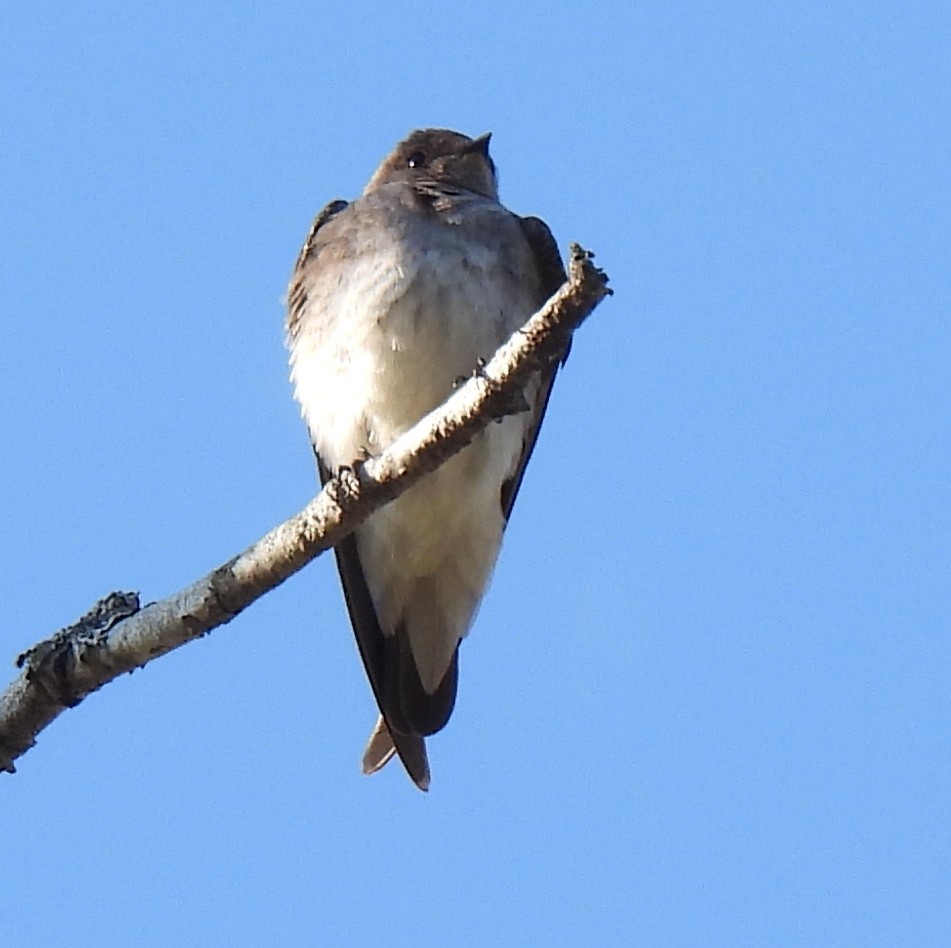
[[706, 701]]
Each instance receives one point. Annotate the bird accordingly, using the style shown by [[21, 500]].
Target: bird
[[396, 296]]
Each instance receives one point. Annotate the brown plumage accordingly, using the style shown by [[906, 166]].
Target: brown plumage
[[394, 297]]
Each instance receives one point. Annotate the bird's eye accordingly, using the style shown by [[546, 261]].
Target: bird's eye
[[416, 160]]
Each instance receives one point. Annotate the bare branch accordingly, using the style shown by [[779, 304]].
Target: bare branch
[[118, 636]]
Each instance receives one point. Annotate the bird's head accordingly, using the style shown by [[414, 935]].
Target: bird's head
[[443, 156]]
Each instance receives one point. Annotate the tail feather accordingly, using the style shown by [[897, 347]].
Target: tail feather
[[383, 744]]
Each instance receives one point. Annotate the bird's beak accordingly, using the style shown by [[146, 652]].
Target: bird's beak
[[478, 146]]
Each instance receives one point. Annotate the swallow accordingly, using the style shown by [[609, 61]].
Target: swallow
[[395, 296]]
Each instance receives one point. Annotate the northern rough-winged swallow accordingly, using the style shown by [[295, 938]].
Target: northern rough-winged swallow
[[394, 298]]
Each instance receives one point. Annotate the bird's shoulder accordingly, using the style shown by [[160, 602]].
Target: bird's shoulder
[[318, 230], [318, 237]]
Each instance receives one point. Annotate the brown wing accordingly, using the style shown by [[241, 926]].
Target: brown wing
[[552, 275], [381, 655]]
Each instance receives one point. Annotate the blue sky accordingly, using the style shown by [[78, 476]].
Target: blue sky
[[706, 699]]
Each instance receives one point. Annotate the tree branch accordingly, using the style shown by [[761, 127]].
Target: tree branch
[[118, 636]]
